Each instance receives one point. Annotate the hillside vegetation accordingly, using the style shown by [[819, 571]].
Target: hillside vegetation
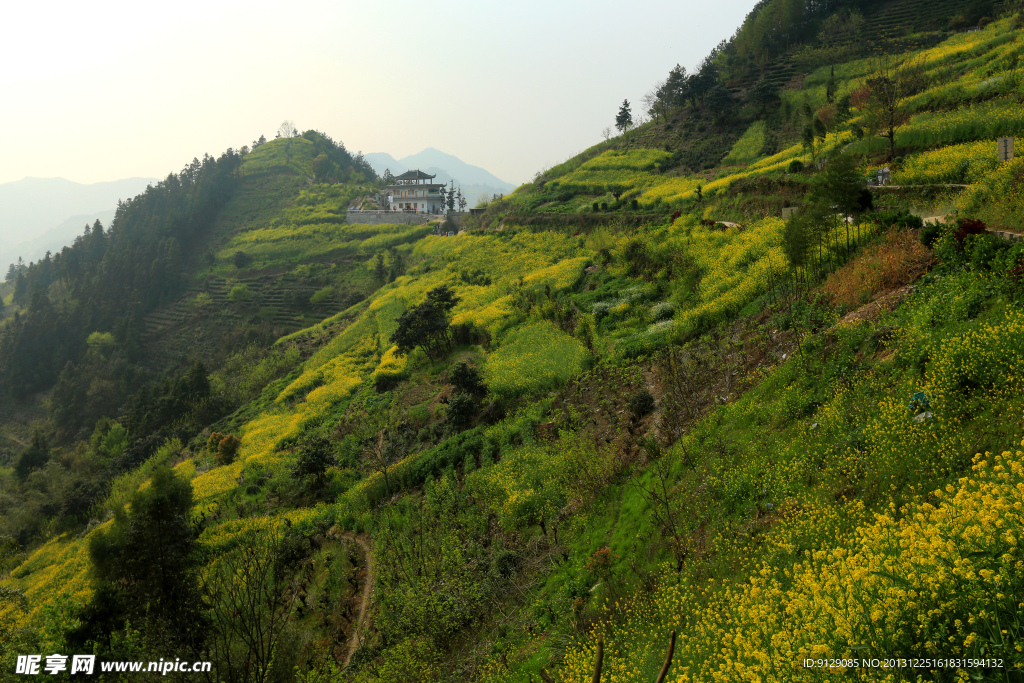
[[630, 400]]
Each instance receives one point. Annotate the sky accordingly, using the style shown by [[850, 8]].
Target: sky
[[107, 90]]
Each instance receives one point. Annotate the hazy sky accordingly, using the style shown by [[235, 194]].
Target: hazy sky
[[106, 90]]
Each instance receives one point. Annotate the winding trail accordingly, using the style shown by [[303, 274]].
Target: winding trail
[[355, 640]]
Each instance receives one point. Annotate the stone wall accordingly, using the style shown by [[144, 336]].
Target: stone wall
[[390, 217]]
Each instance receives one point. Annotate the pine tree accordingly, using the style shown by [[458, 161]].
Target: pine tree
[[673, 91], [145, 564], [764, 94], [624, 119], [33, 457], [451, 198]]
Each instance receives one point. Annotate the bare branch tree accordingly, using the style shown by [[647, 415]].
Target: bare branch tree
[[883, 96], [287, 130], [653, 104], [661, 504], [252, 595], [388, 446]]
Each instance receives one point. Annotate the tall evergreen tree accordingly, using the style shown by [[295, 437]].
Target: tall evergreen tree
[[146, 565], [624, 119], [763, 95], [33, 457], [673, 91]]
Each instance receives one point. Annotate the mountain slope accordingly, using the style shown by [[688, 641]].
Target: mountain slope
[[640, 419]]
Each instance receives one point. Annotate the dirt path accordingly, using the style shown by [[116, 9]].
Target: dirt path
[[16, 440], [355, 640], [875, 309]]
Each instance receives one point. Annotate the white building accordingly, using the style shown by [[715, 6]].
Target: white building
[[413, 191]]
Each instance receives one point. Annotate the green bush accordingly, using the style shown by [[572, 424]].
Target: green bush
[[641, 403], [600, 309], [240, 293], [460, 412], [930, 234], [900, 219], [663, 311], [322, 295]]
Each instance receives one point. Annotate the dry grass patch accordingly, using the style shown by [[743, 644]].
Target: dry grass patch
[[899, 260]]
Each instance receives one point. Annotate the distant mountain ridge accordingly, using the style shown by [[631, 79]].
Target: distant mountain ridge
[[473, 180], [54, 239], [45, 214]]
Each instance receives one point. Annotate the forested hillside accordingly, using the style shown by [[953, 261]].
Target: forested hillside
[[702, 384]]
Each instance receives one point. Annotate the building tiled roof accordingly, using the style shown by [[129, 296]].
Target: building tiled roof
[[414, 175]]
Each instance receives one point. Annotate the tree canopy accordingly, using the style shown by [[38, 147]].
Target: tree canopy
[[427, 325], [145, 565]]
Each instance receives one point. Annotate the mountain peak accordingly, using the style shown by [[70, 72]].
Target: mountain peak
[[474, 180]]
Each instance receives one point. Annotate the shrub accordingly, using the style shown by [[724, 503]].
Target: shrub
[[597, 207], [796, 166], [211, 443], [967, 226], [641, 403], [901, 219], [419, 414], [227, 449], [240, 259], [600, 309], [315, 457], [506, 564], [474, 276], [985, 250], [930, 234], [460, 412], [467, 380], [604, 206], [202, 300], [240, 293], [322, 295], [585, 330], [663, 311]]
